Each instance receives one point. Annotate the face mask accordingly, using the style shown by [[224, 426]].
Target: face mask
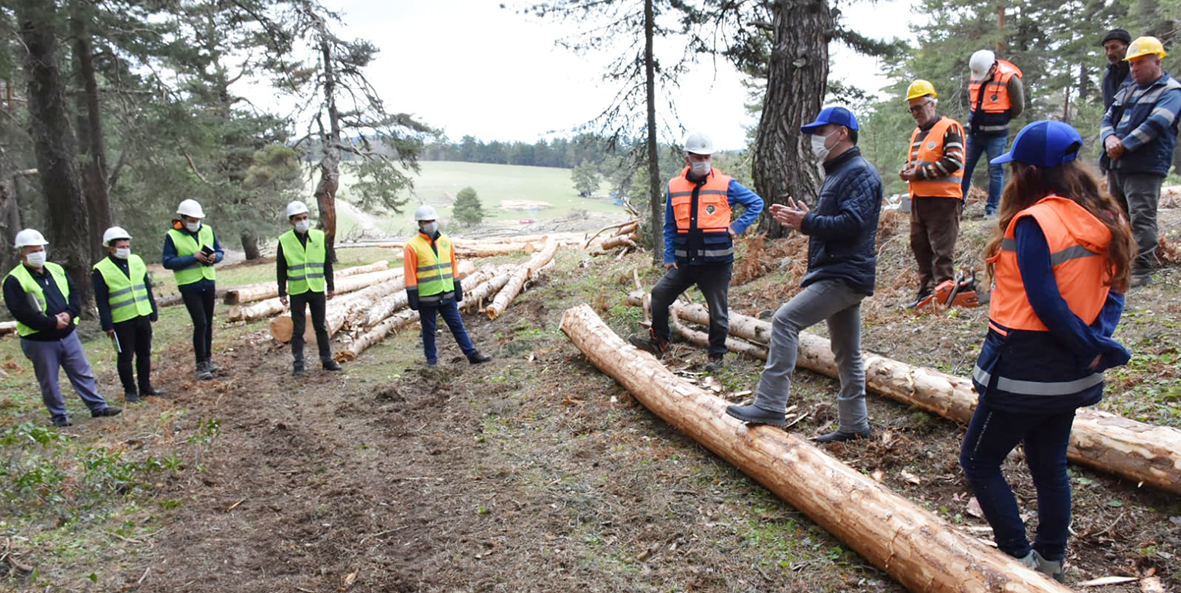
[[819, 147], [36, 259], [430, 228], [700, 168], [122, 252], [193, 226], [303, 225]]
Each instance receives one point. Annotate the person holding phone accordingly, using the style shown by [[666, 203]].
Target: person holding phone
[[191, 250]]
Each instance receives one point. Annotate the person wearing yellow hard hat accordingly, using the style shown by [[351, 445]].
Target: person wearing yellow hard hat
[[1139, 133], [935, 172]]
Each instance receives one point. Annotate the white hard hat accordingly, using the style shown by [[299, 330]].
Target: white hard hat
[[980, 62], [115, 233], [296, 207], [699, 143], [29, 238], [425, 212], [190, 208]]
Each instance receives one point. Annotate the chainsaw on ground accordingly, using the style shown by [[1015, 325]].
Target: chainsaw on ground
[[960, 292]]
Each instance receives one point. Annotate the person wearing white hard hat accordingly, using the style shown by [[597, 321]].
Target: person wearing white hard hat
[[1139, 134], [304, 271], [699, 238], [126, 311], [995, 96], [42, 298], [431, 287], [191, 250]]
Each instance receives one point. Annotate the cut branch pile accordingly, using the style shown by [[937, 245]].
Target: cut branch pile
[[1133, 450], [236, 295], [517, 278], [913, 545], [626, 235]]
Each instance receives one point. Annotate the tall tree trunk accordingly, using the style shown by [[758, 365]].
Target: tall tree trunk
[[330, 164], [796, 82], [91, 137], [10, 214], [54, 144], [250, 244], [654, 197]]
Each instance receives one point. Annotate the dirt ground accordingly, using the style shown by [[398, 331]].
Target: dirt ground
[[537, 473]]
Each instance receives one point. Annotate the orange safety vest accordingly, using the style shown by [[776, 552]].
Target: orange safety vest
[[996, 89], [1078, 241], [713, 207], [929, 151]]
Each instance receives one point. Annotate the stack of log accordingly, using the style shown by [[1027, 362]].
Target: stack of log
[[237, 295], [7, 327], [1139, 452], [518, 276], [626, 236]]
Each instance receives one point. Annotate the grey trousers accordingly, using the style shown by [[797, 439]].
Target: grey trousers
[[832, 301], [48, 358], [1139, 194]]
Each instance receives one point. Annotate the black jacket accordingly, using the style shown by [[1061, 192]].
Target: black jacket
[[843, 226], [18, 304]]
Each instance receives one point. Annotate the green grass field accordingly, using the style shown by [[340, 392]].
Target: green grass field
[[440, 181]]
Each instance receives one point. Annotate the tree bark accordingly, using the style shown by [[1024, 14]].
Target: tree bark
[[1133, 450], [377, 334], [911, 544], [250, 245], [330, 165], [54, 145], [517, 279], [656, 204], [91, 135], [796, 81], [272, 306]]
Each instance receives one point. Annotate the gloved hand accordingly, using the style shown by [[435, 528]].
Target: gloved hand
[[458, 291], [412, 297]]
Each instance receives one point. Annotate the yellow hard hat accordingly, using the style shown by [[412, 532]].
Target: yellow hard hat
[[1144, 46], [920, 88]]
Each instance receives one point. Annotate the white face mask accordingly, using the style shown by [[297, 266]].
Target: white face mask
[[122, 252], [193, 226], [303, 225], [701, 168], [36, 259], [819, 147], [429, 228]]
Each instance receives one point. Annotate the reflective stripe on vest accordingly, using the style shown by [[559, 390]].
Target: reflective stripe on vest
[[1078, 241], [996, 89], [1049, 388], [127, 294], [929, 152], [36, 293], [434, 274], [305, 264], [186, 245]]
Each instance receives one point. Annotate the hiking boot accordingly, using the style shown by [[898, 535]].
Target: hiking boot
[[754, 415], [923, 295], [151, 391], [131, 397], [211, 367], [330, 365], [203, 373], [105, 412], [479, 358], [1140, 279], [715, 363], [62, 422], [1054, 569], [297, 369], [840, 436], [650, 344], [430, 364]]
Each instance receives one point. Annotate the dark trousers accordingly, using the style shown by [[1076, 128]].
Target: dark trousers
[[713, 280], [200, 303], [934, 226], [135, 341], [1139, 194], [449, 311], [991, 435], [316, 301]]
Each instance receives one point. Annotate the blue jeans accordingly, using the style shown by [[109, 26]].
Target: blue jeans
[[995, 146], [991, 435], [48, 359], [450, 314]]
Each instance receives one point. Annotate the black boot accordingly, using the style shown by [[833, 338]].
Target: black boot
[[297, 369], [478, 358], [330, 365], [839, 436]]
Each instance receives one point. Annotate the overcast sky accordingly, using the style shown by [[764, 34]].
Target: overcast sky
[[471, 67]]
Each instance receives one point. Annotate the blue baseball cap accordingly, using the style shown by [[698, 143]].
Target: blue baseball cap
[[1044, 143], [831, 115]]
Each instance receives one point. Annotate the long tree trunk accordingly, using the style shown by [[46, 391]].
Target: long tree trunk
[[796, 82], [54, 144], [10, 215], [91, 136], [908, 542], [250, 244], [654, 197], [330, 140]]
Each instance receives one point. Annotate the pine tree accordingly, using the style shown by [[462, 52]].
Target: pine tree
[[468, 209]]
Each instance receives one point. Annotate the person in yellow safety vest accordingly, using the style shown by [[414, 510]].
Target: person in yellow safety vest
[[995, 97], [42, 298], [935, 170], [304, 271], [126, 311], [191, 249], [432, 288]]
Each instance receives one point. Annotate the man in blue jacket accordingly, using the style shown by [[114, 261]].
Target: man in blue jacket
[[841, 262], [699, 245], [1139, 134]]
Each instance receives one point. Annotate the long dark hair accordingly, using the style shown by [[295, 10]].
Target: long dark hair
[[1073, 181]]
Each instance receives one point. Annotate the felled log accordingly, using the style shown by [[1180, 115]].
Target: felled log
[[271, 307], [7, 327], [619, 241], [236, 295], [701, 339], [1134, 450], [337, 312], [911, 544], [517, 279], [622, 228], [473, 298], [377, 334]]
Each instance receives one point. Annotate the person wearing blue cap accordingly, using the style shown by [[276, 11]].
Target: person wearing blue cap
[[1060, 261], [841, 231]]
